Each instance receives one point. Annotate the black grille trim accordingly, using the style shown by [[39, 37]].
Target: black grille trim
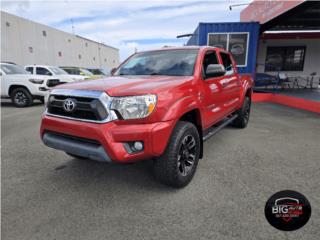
[[86, 108], [74, 138]]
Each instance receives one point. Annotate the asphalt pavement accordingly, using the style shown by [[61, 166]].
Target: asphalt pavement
[[46, 194]]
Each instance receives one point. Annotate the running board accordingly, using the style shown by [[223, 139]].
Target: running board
[[217, 127]]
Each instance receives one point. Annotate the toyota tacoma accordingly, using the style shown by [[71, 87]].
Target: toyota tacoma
[[159, 105]]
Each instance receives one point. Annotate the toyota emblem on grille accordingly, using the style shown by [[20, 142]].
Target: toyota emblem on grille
[[69, 105]]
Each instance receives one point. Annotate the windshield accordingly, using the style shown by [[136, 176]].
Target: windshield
[[164, 62], [13, 69], [86, 72], [57, 71]]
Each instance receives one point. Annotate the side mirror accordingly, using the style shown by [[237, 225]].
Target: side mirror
[[113, 70], [215, 70]]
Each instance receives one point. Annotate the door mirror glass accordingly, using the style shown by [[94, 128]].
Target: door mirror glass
[[215, 70]]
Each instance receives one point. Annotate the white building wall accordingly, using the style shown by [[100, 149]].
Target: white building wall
[[312, 56], [18, 35]]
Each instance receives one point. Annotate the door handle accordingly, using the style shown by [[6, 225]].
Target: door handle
[[224, 84]]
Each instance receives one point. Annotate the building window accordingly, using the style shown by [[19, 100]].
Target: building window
[[44, 33], [60, 54], [69, 40], [94, 58], [7, 24], [236, 43], [105, 60], [30, 49], [285, 58], [86, 44], [79, 56]]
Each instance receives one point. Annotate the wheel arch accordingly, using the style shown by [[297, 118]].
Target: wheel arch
[[194, 116], [15, 86]]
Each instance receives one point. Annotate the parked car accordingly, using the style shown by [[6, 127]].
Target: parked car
[[158, 105], [79, 72], [22, 87], [57, 72], [100, 71]]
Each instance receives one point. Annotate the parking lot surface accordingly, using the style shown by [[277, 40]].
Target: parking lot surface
[[48, 195]]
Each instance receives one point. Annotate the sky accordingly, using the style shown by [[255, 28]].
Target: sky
[[128, 25]]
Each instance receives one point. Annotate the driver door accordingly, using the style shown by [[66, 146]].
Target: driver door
[[212, 92]]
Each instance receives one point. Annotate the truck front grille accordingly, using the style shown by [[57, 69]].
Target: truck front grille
[[84, 108]]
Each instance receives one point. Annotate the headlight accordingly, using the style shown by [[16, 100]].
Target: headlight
[[134, 107], [36, 81]]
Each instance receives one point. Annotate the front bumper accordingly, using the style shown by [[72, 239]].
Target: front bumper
[[111, 138]]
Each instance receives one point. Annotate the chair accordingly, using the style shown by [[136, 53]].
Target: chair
[[310, 81], [283, 81]]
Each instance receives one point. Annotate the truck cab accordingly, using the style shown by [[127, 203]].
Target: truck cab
[[45, 70]]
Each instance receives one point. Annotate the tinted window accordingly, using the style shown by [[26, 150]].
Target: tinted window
[[227, 63], [43, 71], [71, 71], [30, 69], [209, 58], [285, 58], [164, 62], [57, 71]]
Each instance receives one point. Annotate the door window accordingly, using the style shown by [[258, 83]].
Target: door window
[[29, 69], [209, 58], [43, 71], [227, 63]]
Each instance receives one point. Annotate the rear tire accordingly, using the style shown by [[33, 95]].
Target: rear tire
[[177, 165], [243, 114], [21, 97]]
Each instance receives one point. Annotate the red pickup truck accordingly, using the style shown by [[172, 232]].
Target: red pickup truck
[[159, 105]]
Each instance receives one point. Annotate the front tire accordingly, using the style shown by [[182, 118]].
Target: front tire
[[21, 97], [243, 114], [177, 165]]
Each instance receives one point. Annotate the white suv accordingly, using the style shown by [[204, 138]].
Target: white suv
[[56, 72], [22, 87]]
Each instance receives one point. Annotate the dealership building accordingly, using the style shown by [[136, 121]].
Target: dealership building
[[278, 43], [26, 42], [271, 36]]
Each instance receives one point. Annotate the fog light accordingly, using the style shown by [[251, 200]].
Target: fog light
[[134, 147], [138, 146]]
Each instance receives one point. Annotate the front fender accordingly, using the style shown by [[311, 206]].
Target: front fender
[[180, 107]]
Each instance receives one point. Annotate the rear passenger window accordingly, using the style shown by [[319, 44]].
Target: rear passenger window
[[43, 71], [227, 63]]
